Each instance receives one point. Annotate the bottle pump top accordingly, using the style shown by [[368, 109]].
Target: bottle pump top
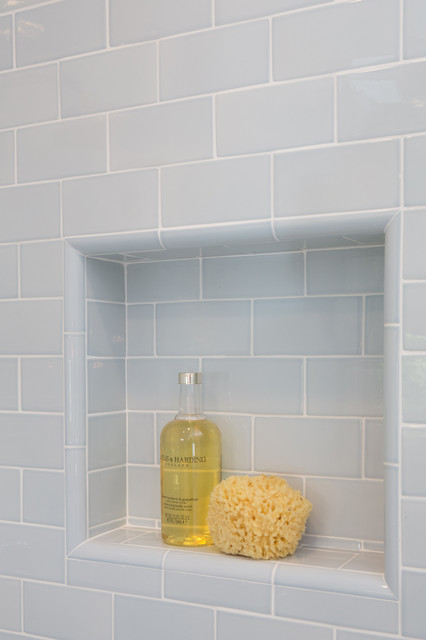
[[189, 378]]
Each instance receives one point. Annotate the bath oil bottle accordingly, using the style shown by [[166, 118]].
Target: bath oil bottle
[[190, 454]]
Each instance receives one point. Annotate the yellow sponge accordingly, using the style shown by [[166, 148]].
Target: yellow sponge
[[257, 516]]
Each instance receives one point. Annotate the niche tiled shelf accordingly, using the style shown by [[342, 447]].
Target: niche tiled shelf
[[288, 332]]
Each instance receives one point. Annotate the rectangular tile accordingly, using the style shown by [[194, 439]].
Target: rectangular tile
[[308, 326], [75, 379], [258, 276], [19, 4], [42, 384], [163, 281], [10, 496], [345, 271], [162, 134], [274, 117], [414, 256], [236, 432], [9, 396], [106, 441], [41, 269], [152, 382], [106, 381], [44, 497], [120, 578], [134, 21], [29, 440], [232, 625], [17, 207], [107, 495], [392, 268], [216, 191], [93, 621], [336, 45], [414, 17], [59, 30], [106, 329], [107, 81], [9, 271], [7, 158], [203, 328], [414, 158], [10, 604], [391, 393], [104, 280], [374, 448], [31, 327], [140, 329], [140, 437], [413, 604], [413, 389], [413, 458], [144, 492], [28, 96], [311, 446], [214, 60], [339, 178], [63, 149], [76, 497], [374, 324], [345, 386], [414, 313], [6, 45], [382, 103], [413, 518]]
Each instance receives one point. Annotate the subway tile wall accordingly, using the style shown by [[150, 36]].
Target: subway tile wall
[[208, 122]]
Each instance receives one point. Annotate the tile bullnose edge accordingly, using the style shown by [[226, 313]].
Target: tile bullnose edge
[[119, 554]]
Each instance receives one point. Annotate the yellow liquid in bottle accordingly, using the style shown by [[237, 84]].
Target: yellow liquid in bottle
[[190, 469]]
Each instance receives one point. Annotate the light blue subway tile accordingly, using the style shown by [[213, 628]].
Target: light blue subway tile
[[374, 448], [336, 44], [236, 432], [30, 212], [106, 329], [44, 497], [31, 327], [58, 30], [413, 604], [413, 461], [392, 528], [29, 96], [253, 385], [107, 495], [225, 239], [114, 202], [62, 149], [308, 326], [7, 158], [64, 613], [413, 519], [382, 103], [9, 271], [10, 495], [75, 389], [274, 117], [106, 441], [104, 280], [140, 437], [32, 552], [161, 618], [344, 634], [75, 290], [339, 179], [10, 604], [42, 384], [76, 496], [234, 625], [345, 386], [203, 328], [152, 383], [6, 43], [236, 10], [391, 392], [104, 246], [393, 270], [414, 314], [311, 446], [31, 440], [9, 400], [164, 280], [345, 271], [162, 134], [214, 60], [106, 81], [140, 330], [133, 21], [414, 158], [259, 276], [414, 255], [414, 388], [42, 269], [120, 578], [216, 191], [144, 492], [413, 21], [106, 385], [374, 325]]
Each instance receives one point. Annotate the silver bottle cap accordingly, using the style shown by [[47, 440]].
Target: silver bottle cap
[[189, 378]]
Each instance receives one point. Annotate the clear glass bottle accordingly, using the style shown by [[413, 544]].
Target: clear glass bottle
[[190, 453]]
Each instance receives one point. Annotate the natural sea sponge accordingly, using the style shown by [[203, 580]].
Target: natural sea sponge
[[257, 516]]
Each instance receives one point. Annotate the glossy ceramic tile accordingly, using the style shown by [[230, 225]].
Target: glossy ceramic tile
[[106, 441], [11, 604], [57, 30], [373, 326], [391, 392], [203, 328], [232, 625], [164, 280], [414, 257], [309, 326], [392, 529], [216, 191], [336, 44], [152, 382], [44, 497], [42, 384], [413, 457], [8, 5], [75, 389], [236, 432], [236, 10], [162, 134], [382, 103], [75, 288], [413, 518], [92, 622], [7, 158], [413, 35], [144, 492], [116, 202], [9, 270], [106, 81], [10, 495], [31, 440], [413, 388], [76, 496], [106, 385], [345, 271], [17, 206], [138, 581], [374, 448], [414, 310], [6, 45], [134, 22], [415, 158], [214, 60], [140, 438], [41, 270], [140, 330], [339, 179], [224, 239], [274, 117], [413, 609], [110, 244], [260, 276], [30, 95], [9, 400], [31, 327], [107, 495], [104, 280], [106, 329], [393, 270], [63, 149], [308, 446]]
